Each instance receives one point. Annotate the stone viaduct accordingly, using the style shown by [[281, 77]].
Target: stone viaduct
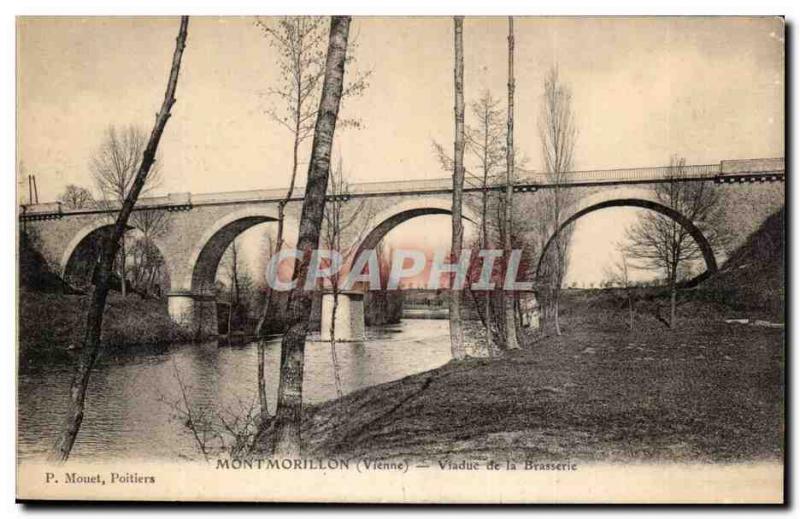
[[202, 226]]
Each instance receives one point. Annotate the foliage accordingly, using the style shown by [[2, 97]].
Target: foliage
[[300, 43]]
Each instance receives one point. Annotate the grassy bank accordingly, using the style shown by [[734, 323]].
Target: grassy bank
[[52, 323], [753, 280], [708, 391]]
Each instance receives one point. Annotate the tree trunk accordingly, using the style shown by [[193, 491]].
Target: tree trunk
[[672, 297], [487, 315], [510, 324], [122, 261], [262, 382], [518, 314], [334, 361], [555, 316], [487, 310], [630, 310], [290, 389], [497, 299], [456, 326], [490, 336], [230, 321], [94, 320], [268, 304]]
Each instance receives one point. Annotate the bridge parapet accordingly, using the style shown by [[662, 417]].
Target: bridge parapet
[[770, 169], [746, 166], [646, 174], [56, 209]]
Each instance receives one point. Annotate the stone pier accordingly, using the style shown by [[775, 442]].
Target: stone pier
[[349, 317]]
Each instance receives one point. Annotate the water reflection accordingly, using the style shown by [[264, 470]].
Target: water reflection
[[127, 415]]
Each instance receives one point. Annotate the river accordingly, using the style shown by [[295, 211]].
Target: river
[[130, 411]]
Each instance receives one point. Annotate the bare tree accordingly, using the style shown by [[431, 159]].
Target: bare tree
[[660, 243], [485, 142], [558, 134], [299, 42], [340, 235], [288, 415], [511, 342], [269, 248], [234, 281], [148, 266], [197, 420], [114, 167], [76, 197], [228, 431], [94, 320], [484, 139], [457, 236]]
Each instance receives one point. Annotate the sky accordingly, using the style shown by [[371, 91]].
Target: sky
[[643, 89]]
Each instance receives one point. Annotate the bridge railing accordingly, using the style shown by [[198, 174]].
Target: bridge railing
[[573, 178], [402, 186], [241, 196], [626, 174]]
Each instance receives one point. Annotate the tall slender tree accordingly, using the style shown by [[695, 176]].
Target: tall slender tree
[[298, 42], [456, 326], [344, 229], [558, 134], [268, 243], [94, 321], [511, 341], [287, 441], [300, 45], [485, 141], [233, 279]]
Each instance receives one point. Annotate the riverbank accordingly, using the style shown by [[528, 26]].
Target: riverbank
[[53, 324], [707, 391]]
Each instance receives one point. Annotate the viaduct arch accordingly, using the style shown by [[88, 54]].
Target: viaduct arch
[[83, 246], [192, 299], [683, 221]]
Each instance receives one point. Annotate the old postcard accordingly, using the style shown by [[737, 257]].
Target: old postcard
[[401, 259]]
